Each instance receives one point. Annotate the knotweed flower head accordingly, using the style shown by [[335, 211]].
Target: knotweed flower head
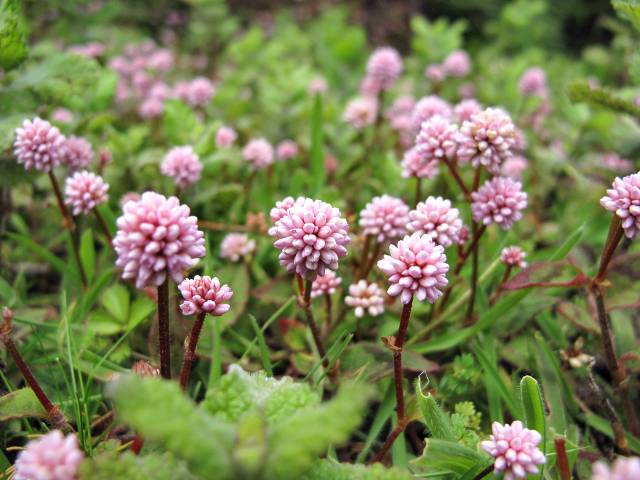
[[183, 165], [457, 64], [259, 153], [533, 82], [39, 145], [89, 50], [415, 266], [281, 209], [414, 164], [399, 114], [235, 246], [385, 218], [200, 92], [515, 450], [435, 73], [369, 87], [464, 110], [437, 139], [513, 257], [361, 112], [500, 201], [157, 236], [613, 161], [325, 284], [317, 85], [622, 469], [436, 218], [160, 90], [286, 149], [428, 107], [78, 153], [385, 66], [151, 107], [84, 191], [513, 167], [204, 294], [467, 90], [161, 60], [62, 115], [623, 198], [312, 237], [225, 136], [487, 139], [365, 298], [50, 457]]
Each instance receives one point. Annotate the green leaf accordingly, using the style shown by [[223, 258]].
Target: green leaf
[[533, 408], [317, 148], [140, 309], [449, 457], [13, 35], [180, 123], [116, 300], [436, 420], [238, 279], [332, 470], [264, 350], [111, 465], [580, 91], [491, 372], [44, 253], [20, 404], [629, 9], [88, 254]]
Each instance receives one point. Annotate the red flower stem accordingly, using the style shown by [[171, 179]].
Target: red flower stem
[[505, 278], [315, 332], [562, 461], [328, 306], [103, 225], [456, 177], [190, 349], [474, 275], [164, 341], [395, 433], [613, 239], [364, 257], [300, 284]]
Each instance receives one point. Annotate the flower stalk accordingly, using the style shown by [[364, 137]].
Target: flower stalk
[[190, 349], [164, 341], [311, 323]]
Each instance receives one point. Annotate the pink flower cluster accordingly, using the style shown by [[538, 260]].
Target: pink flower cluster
[[286, 149], [62, 115], [436, 218], [365, 298], [500, 201], [197, 92], [204, 294], [325, 284], [89, 50], [383, 69], [466, 109], [513, 167], [428, 107], [50, 457], [317, 85], [361, 112], [235, 246], [39, 145], [513, 257], [533, 82], [84, 191], [399, 116], [385, 218], [78, 153], [622, 469], [280, 210], [623, 198], [225, 136], [437, 139], [613, 161], [183, 165], [259, 153], [456, 64], [414, 164]]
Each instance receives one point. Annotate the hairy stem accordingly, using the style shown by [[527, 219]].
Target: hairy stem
[[505, 278], [562, 461], [613, 239], [190, 349], [315, 332], [164, 341]]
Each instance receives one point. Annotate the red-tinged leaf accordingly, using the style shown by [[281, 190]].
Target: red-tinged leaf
[[548, 274]]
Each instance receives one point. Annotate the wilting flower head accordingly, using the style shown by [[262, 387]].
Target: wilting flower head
[[258, 152], [204, 294], [457, 64], [414, 164], [365, 298], [361, 112], [514, 166], [183, 165], [426, 108], [78, 153], [533, 82], [415, 266], [435, 73], [157, 236], [437, 139], [225, 136], [622, 469], [464, 110], [385, 218], [317, 85], [487, 139], [515, 450], [151, 107], [62, 115], [234, 246], [325, 284], [200, 92], [39, 145], [436, 218], [50, 457], [286, 149], [623, 198], [500, 200], [513, 257], [84, 191], [312, 236], [385, 66]]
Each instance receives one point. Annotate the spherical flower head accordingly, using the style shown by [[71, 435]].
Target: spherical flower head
[[181, 90], [161, 60], [369, 86], [622, 469], [317, 85], [183, 165], [437, 139], [467, 90], [225, 136], [361, 112], [235, 246], [62, 115], [312, 237], [533, 82], [39, 145], [89, 50], [281, 208], [385, 218], [160, 90], [157, 236], [513, 167], [623, 198], [435, 73], [436, 218], [204, 294], [84, 191], [415, 266], [513, 257], [613, 161], [487, 139], [414, 164], [200, 92], [426, 108], [457, 64], [401, 107], [365, 298], [385, 65], [78, 153], [515, 450], [286, 149], [259, 153], [50, 457], [500, 201], [325, 284], [151, 107], [466, 109]]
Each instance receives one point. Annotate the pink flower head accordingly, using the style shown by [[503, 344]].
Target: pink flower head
[[436, 218], [312, 237], [401, 109], [235, 246], [78, 153], [369, 86], [515, 450], [533, 82], [62, 115], [160, 90], [258, 152], [89, 50], [622, 469], [464, 110], [385, 218], [514, 166], [183, 165], [437, 139], [426, 108], [500, 200], [317, 85], [623, 198], [325, 284], [39, 145], [84, 191], [129, 197], [487, 139], [361, 112], [513, 257], [157, 236], [365, 298], [281, 209], [161, 60], [200, 92], [385, 66], [414, 164], [181, 90], [286, 149], [225, 136], [204, 294], [105, 157], [613, 161], [152, 107], [435, 73], [457, 64], [50, 457], [415, 266]]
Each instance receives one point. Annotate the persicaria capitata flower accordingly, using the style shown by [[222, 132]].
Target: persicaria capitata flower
[[533, 82], [361, 112], [78, 153], [385, 67], [225, 136], [39, 145], [62, 115], [500, 201], [622, 469], [385, 218], [428, 107], [286, 149], [623, 199], [235, 246], [513, 167], [50, 457], [183, 165], [437, 139], [613, 161], [281, 208], [435, 73], [365, 298], [325, 284], [259, 153], [466, 109], [457, 64], [204, 294], [199, 92], [414, 164], [84, 191], [317, 85], [436, 218], [513, 257]]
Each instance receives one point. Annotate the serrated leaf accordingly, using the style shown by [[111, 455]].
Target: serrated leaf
[[20, 404]]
